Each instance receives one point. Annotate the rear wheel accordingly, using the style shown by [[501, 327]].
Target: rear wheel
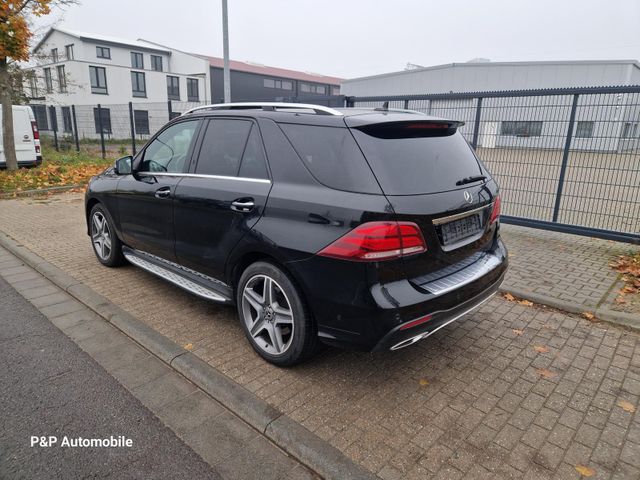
[[106, 244], [273, 315]]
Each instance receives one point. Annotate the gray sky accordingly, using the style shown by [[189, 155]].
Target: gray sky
[[352, 38]]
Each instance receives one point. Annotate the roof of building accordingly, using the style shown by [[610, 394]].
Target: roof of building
[[106, 39], [218, 62], [484, 64]]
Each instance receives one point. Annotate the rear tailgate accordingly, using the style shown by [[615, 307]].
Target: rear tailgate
[[432, 178]]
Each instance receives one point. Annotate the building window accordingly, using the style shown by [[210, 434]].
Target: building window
[[98, 80], [137, 60], [68, 50], [335, 90], [173, 88], [138, 84], [630, 130], [103, 52], [40, 112], [156, 63], [521, 129], [62, 79], [33, 84], [54, 55], [309, 88], [141, 121], [584, 129], [279, 84], [48, 82], [106, 120], [192, 90], [66, 120]]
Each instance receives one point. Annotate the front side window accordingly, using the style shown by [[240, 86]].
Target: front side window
[[222, 147], [168, 151], [137, 60], [173, 88], [102, 117], [192, 90], [103, 52], [62, 79], [138, 84], [156, 63], [48, 82], [98, 77]]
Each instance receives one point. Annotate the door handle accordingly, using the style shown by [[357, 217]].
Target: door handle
[[164, 192], [243, 205]]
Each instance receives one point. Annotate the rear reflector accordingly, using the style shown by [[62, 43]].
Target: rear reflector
[[495, 212], [416, 322], [375, 241]]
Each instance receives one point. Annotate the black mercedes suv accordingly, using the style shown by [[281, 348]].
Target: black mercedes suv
[[360, 228]]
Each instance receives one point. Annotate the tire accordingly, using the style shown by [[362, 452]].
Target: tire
[[282, 336], [104, 240]]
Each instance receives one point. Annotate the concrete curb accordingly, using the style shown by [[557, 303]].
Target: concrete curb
[[601, 313], [290, 436]]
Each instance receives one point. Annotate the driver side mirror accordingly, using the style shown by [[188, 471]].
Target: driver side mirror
[[122, 166]]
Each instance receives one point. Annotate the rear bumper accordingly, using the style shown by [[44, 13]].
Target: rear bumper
[[353, 312]]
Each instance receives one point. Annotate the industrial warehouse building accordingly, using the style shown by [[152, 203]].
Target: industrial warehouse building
[[603, 122]]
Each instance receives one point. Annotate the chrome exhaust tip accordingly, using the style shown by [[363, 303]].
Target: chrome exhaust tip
[[409, 341]]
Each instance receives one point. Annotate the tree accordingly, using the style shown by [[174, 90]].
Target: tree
[[14, 47]]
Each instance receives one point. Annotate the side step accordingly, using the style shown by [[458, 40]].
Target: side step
[[204, 287]]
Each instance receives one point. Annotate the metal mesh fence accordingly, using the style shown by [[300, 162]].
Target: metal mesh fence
[[567, 159]]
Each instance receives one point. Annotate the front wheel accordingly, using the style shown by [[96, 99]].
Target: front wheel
[[273, 315], [106, 244]]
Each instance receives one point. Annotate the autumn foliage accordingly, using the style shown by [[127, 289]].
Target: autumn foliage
[[14, 27]]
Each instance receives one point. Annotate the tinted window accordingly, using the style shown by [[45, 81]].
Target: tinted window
[[413, 165], [253, 161], [168, 151], [332, 157], [222, 147]]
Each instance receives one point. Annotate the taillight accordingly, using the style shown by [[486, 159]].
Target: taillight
[[34, 128], [416, 322], [495, 213], [375, 241]]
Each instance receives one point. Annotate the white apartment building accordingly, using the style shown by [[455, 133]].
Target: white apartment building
[[85, 69]]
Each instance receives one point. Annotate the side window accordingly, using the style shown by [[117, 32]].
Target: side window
[[253, 161], [222, 147], [168, 151]]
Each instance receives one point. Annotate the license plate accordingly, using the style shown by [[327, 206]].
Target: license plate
[[457, 230]]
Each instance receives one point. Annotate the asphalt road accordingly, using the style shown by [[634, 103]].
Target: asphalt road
[[49, 387]]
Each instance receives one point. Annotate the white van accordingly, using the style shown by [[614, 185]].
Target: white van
[[27, 137]]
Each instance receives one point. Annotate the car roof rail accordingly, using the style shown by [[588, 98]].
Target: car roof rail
[[267, 106]]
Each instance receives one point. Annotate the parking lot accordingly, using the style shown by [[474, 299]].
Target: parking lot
[[512, 391]]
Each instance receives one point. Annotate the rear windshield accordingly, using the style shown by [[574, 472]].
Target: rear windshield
[[409, 164], [332, 156]]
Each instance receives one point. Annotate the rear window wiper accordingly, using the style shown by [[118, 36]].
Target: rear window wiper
[[473, 178]]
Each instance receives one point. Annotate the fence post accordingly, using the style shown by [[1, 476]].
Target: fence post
[[75, 128], [476, 128], [350, 101], [406, 104], [104, 153], [133, 130], [54, 126], [169, 109], [565, 157]]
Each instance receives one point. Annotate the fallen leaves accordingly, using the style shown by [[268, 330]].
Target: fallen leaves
[[189, 346], [544, 373], [517, 331], [627, 406], [424, 382], [526, 303], [629, 266], [509, 297], [521, 301], [585, 471], [541, 349], [589, 316]]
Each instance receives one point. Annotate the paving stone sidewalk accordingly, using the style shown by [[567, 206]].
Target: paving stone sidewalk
[[508, 392]]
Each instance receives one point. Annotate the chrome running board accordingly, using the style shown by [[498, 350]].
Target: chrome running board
[[417, 338], [175, 278]]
